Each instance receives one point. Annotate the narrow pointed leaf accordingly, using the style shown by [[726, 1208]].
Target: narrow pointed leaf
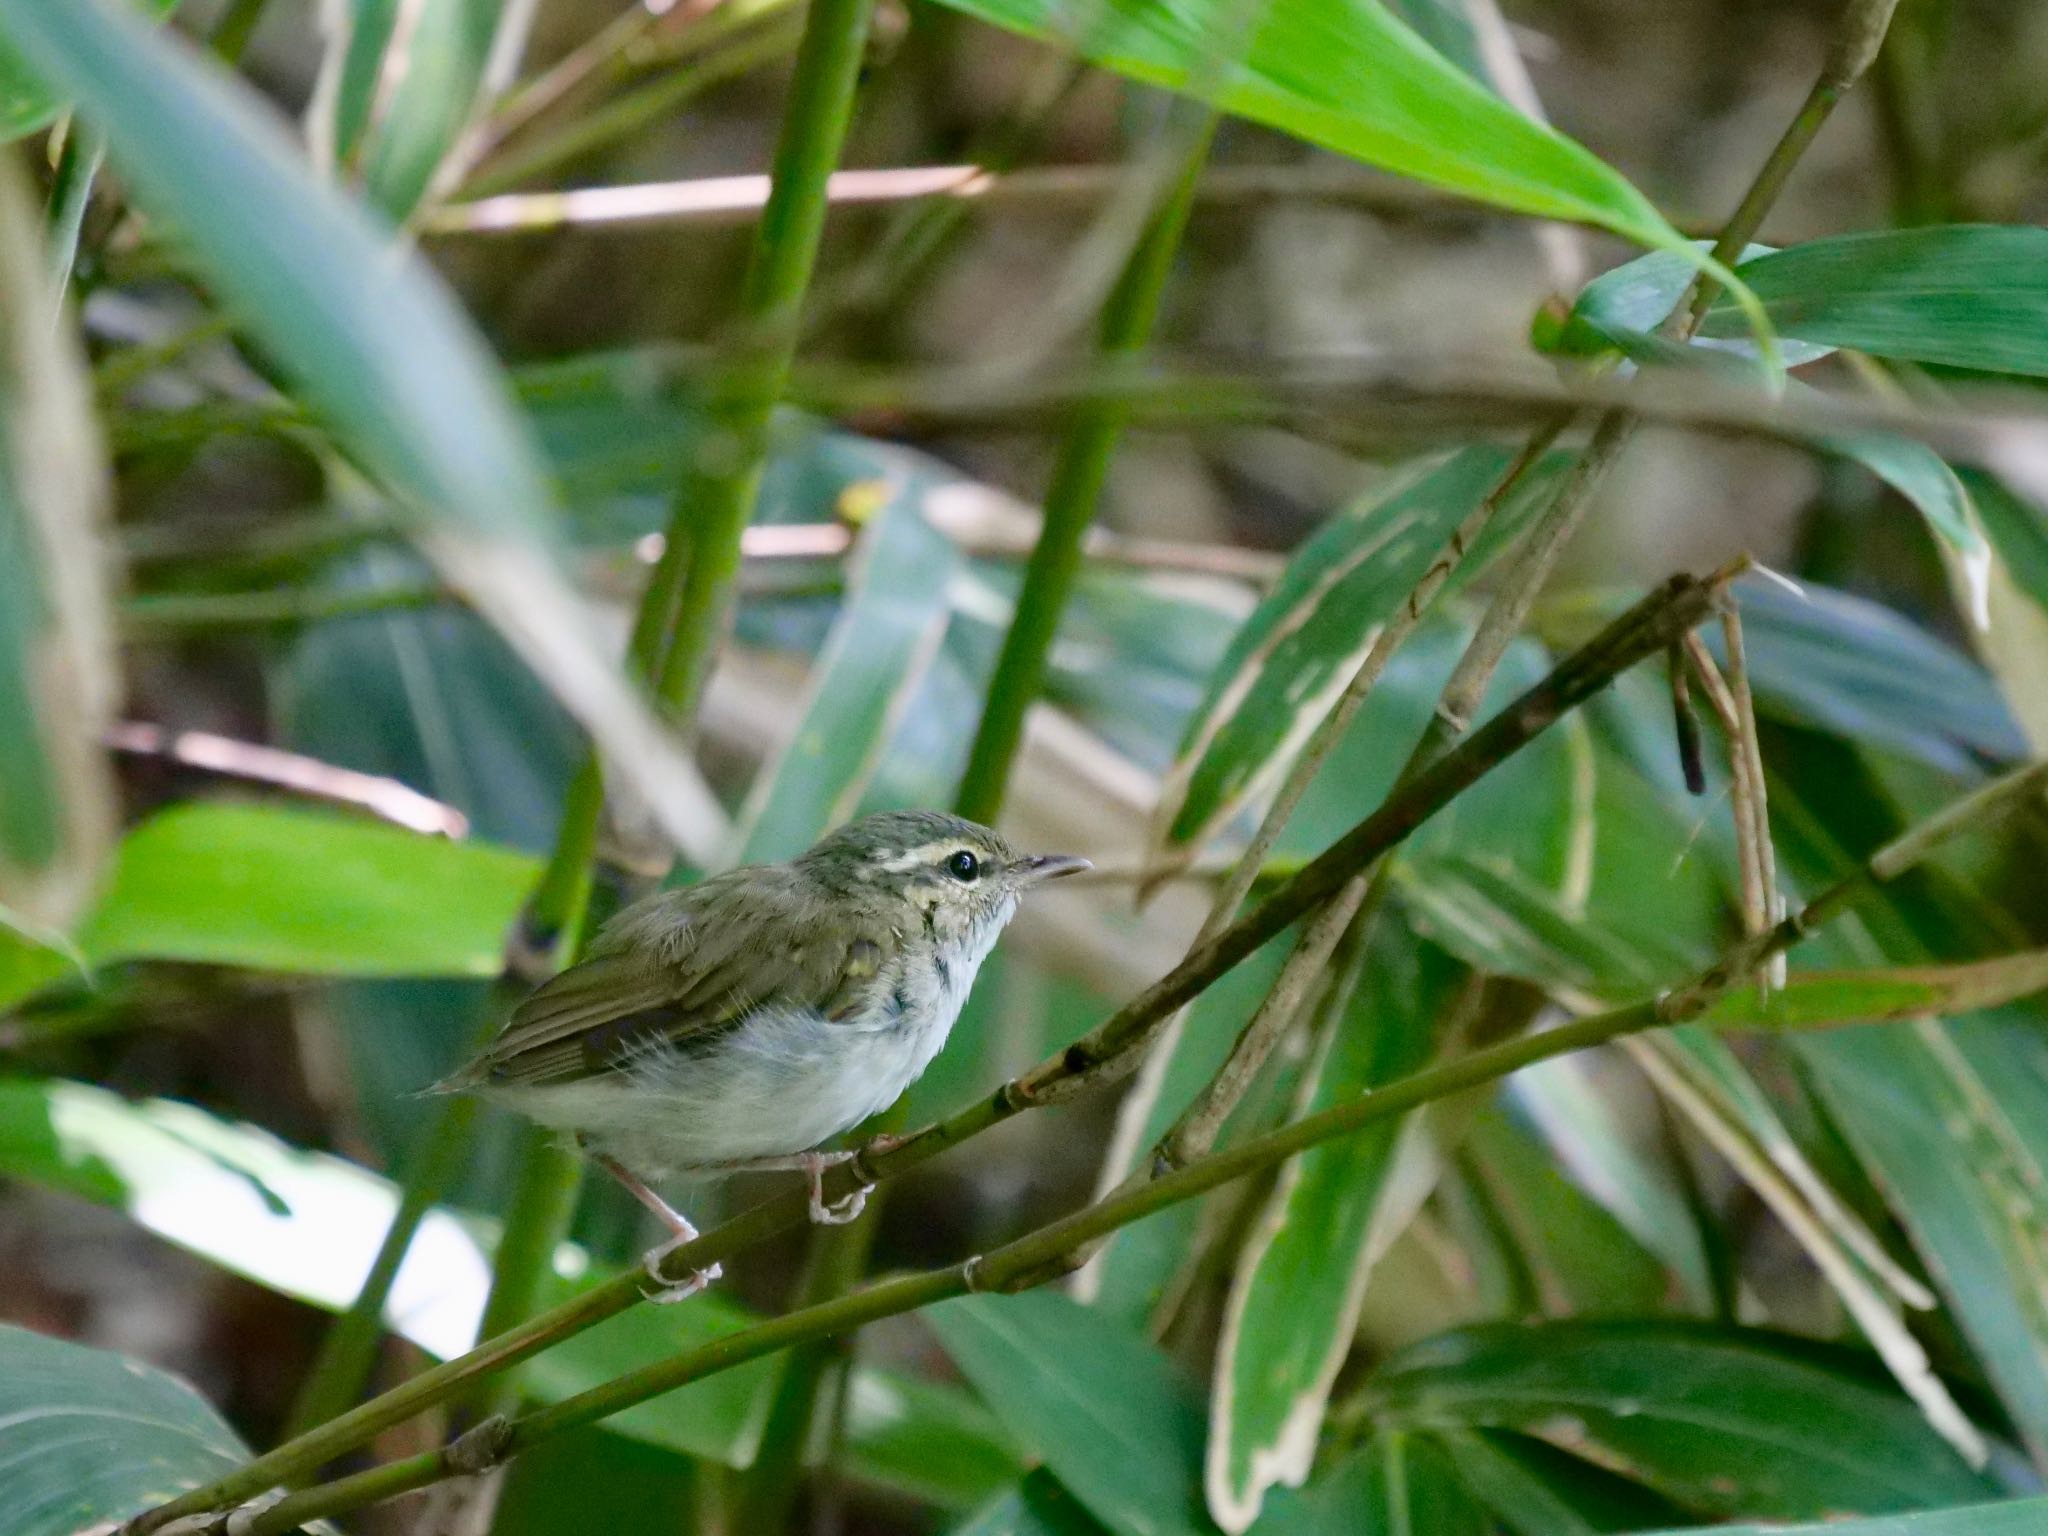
[[1352, 78], [1301, 1277], [1965, 295]]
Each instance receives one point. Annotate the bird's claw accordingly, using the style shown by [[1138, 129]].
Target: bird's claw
[[667, 1292], [848, 1206]]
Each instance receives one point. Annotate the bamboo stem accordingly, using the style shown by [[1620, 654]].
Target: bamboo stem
[[1070, 503]]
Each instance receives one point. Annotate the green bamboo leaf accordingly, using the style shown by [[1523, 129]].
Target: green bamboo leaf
[[1301, 1278], [1965, 295], [1724, 1421], [1856, 669], [1948, 1118], [375, 342], [1294, 656], [1828, 999], [26, 103], [1131, 1275], [1580, 1258], [1350, 77], [1618, 313], [1037, 1506], [1395, 1485], [1096, 1402], [882, 643], [2013, 641], [404, 96], [306, 892], [88, 1438], [2018, 1517], [1537, 1490], [57, 668]]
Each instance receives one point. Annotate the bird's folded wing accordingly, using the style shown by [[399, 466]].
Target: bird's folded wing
[[707, 972]]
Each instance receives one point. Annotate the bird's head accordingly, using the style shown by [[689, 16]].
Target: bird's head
[[952, 873]]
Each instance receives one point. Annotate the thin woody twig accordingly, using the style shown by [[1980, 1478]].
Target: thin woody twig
[[1028, 1259], [258, 764]]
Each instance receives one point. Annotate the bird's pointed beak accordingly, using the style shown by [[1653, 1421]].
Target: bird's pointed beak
[[1042, 867]]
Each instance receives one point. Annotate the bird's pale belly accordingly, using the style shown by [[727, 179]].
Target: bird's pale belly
[[781, 1084]]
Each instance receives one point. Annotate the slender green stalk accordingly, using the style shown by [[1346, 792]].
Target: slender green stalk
[[1645, 630], [769, 1486], [721, 491], [682, 618], [153, 613], [1028, 1259], [70, 194], [348, 1352], [1070, 503]]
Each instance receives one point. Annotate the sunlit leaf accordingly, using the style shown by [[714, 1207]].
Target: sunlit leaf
[[1352, 78], [306, 891], [307, 1225]]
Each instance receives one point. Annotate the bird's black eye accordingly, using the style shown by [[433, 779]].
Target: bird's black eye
[[963, 866]]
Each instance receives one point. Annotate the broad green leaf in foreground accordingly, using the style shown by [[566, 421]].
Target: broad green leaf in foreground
[[1349, 76], [375, 342], [1097, 1402], [88, 1438], [1724, 1421]]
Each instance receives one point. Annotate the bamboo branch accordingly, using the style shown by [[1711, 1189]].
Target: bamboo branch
[[1025, 1260]]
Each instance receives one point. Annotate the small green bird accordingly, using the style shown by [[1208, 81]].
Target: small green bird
[[737, 1023]]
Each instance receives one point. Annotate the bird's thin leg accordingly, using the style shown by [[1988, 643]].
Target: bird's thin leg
[[676, 1222], [813, 1165]]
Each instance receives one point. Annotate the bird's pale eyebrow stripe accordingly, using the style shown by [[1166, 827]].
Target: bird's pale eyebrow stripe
[[919, 857]]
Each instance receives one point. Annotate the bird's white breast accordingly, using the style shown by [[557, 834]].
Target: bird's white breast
[[780, 1083]]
